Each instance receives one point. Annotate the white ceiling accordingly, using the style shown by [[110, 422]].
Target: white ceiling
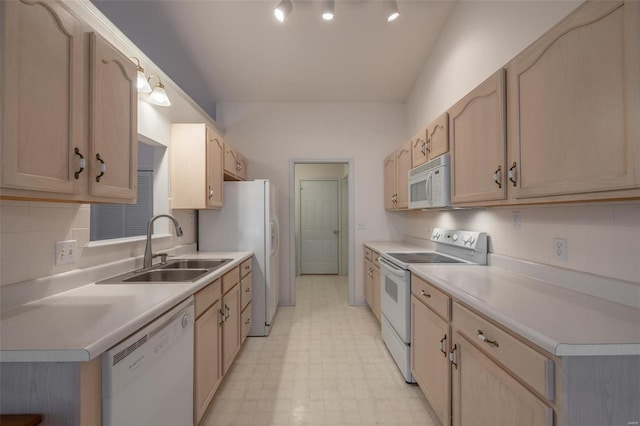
[[235, 50]]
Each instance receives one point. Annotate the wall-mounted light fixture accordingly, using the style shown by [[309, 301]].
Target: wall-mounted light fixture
[[391, 10], [328, 7], [159, 95], [141, 83], [282, 10]]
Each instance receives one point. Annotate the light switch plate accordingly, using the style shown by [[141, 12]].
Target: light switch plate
[[66, 252], [515, 216], [559, 249], [361, 225]]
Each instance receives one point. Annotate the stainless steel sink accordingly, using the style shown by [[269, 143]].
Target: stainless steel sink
[[210, 264], [167, 275]]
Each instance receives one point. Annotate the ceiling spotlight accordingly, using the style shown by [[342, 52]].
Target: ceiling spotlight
[[391, 9], [282, 10], [159, 95], [327, 10]]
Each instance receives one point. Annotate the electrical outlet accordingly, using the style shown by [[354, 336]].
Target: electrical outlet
[[515, 216], [66, 252], [559, 249], [361, 225]]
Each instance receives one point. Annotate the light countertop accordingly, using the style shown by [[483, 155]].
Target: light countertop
[[82, 323], [558, 319]]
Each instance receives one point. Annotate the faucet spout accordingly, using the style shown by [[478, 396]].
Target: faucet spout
[[148, 253]]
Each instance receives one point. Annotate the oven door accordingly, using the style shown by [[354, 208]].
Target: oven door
[[395, 298]]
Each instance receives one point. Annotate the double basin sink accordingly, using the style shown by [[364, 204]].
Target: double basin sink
[[174, 271]]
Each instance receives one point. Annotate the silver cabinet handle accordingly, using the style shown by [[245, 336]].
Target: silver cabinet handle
[[488, 341], [513, 173], [452, 356], [221, 317], [103, 167], [210, 192], [247, 290], [248, 321], [443, 344], [81, 164], [497, 177], [425, 294], [226, 317]]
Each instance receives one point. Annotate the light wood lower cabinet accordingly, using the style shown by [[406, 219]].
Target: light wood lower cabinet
[[430, 339], [485, 395], [231, 327], [208, 369], [372, 281]]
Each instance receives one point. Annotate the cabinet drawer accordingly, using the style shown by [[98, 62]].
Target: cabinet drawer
[[246, 267], [432, 297], [531, 366], [207, 297], [246, 322], [230, 279], [246, 290], [367, 253]]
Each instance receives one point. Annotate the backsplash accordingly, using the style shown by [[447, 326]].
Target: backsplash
[[29, 231], [602, 239]]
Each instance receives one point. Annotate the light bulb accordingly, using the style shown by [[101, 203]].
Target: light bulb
[[282, 10], [327, 10]]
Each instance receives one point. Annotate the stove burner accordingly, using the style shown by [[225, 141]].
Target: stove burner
[[423, 257]]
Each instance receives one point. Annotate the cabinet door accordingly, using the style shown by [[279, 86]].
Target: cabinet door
[[368, 277], [430, 336], [484, 394], [403, 165], [215, 155], [207, 374], [375, 292], [113, 118], [242, 167], [477, 126], [419, 149], [43, 102], [573, 105], [390, 182], [438, 137], [231, 327], [230, 160]]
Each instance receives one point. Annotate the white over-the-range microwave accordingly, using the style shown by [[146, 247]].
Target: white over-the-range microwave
[[430, 185]]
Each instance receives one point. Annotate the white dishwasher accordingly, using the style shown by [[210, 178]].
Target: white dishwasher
[[147, 379]]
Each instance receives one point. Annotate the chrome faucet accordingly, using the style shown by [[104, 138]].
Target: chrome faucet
[[148, 255]]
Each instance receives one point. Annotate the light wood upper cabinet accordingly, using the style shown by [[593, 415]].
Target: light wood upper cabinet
[[477, 137], [235, 164], [196, 166], [113, 117], [438, 137], [396, 178], [573, 105], [484, 394], [57, 118], [43, 98], [419, 149]]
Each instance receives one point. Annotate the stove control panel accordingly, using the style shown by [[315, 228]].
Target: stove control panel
[[467, 239]]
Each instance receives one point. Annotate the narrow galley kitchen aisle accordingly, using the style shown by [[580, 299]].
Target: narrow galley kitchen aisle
[[323, 364]]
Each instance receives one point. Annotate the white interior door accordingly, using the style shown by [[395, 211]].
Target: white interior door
[[319, 227]]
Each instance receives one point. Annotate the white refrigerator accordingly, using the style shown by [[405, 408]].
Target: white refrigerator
[[248, 221]]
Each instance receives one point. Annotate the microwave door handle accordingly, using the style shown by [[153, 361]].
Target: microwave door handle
[[430, 189]]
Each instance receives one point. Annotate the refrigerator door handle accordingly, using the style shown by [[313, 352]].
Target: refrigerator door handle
[[275, 236]]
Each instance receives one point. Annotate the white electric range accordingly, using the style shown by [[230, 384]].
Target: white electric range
[[452, 247]]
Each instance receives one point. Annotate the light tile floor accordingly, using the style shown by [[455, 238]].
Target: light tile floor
[[323, 364]]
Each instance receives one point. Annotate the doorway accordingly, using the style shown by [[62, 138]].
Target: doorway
[[322, 231], [319, 226]]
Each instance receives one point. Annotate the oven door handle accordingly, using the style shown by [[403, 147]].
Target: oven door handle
[[388, 266]]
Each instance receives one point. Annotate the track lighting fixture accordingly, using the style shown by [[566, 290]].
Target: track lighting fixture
[[159, 95], [328, 7], [282, 10], [391, 10]]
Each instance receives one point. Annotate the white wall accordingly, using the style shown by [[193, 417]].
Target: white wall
[[270, 135], [325, 171], [480, 37]]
